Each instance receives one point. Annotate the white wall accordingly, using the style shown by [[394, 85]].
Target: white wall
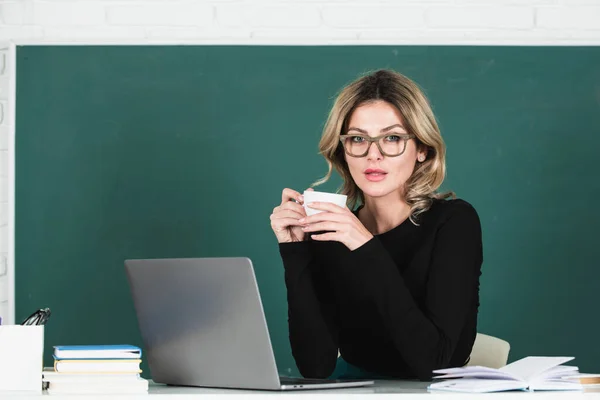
[[303, 21], [532, 22], [6, 133]]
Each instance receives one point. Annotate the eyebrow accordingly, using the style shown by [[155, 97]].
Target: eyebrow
[[383, 130], [392, 127]]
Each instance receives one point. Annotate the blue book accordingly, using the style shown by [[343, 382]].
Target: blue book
[[97, 352]]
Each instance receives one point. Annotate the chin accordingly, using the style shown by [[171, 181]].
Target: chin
[[370, 190]]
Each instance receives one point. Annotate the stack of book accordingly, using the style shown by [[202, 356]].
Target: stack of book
[[96, 369]]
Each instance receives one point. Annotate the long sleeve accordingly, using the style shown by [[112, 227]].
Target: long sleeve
[[311, 314], [425, 336]]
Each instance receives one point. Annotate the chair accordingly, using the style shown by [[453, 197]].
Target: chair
[[489, 351]]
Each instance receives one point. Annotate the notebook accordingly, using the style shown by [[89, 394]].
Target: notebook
[[529, 373], [98, 366], [115, 351]]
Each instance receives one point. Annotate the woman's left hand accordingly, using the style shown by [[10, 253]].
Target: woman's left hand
[[341, 224]]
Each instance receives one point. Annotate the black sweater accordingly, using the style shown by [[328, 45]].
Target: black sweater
[[401, 305]]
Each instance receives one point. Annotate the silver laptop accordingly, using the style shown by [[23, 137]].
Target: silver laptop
[[202, 324]]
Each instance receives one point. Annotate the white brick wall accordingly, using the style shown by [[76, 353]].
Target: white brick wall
[[302, 21], [531, 22], [6, 129]]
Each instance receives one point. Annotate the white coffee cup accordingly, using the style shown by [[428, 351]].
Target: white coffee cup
[[311, 196]]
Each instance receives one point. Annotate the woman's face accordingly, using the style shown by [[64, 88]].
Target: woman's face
[[375, 174]]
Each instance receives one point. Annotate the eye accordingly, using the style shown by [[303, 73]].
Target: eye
[[357, 139], [392, 138]]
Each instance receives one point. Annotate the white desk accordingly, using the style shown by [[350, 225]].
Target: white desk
[[382, 389]]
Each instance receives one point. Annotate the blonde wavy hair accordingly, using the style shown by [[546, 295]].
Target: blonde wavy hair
[[420, 189]]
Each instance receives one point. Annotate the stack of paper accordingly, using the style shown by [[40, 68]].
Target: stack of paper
[[529, 373], [96, 369]]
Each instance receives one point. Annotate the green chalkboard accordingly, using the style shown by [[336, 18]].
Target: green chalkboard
[[182, 151]]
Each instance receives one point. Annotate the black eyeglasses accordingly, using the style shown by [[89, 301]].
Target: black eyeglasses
[[39, 317], [390, 145]]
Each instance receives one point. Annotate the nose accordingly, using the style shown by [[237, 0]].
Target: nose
[[374, 153]]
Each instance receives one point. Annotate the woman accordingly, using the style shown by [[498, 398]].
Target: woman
[[394, 284]]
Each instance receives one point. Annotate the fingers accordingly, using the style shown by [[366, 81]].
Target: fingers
[[329, 236], [287, 213], [290, 205], [322, 226], [290, 194], [324, 216], [281, 224]]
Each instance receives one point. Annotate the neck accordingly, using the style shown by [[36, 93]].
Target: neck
[[380, 215]]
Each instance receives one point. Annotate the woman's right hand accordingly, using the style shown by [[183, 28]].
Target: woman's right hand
[[284, 219]]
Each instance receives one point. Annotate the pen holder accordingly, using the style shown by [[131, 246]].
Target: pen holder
[[21, 357]]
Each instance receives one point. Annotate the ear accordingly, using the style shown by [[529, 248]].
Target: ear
[[422, 153]]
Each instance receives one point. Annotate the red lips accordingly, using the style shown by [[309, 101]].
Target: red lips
[[375, 171], [375, 174]]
